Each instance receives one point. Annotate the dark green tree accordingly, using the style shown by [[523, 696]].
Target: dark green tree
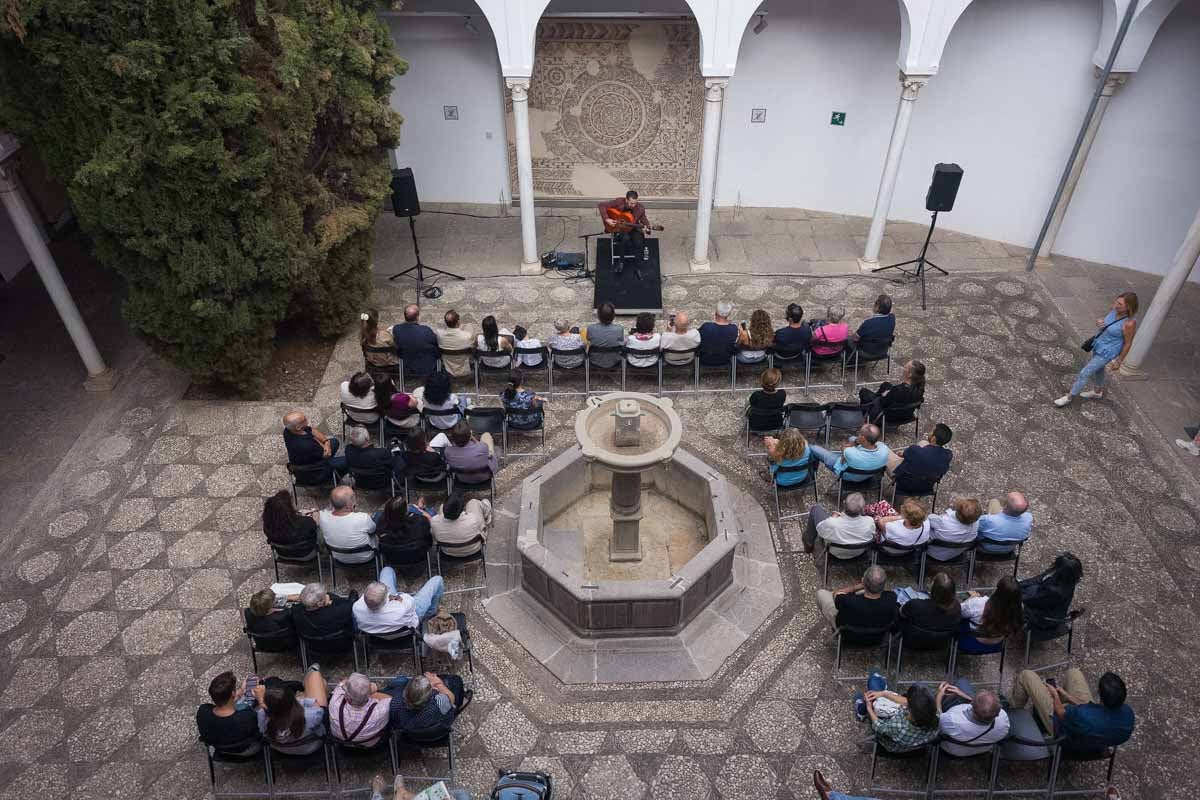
[[227, 157]]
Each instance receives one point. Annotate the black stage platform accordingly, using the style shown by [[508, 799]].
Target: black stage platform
[[629, 292]]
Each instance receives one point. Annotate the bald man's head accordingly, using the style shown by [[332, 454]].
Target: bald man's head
[[342, 498], [681, 322], [1016, 504], [295, 421], [412, 313]]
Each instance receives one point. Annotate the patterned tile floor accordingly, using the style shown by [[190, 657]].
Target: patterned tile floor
[[122, 592]]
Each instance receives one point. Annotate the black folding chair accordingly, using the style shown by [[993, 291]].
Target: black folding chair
[[759, 363], [655, 368], [299, 555], [283, 643], [915, 486], [479, 556], [714, 365], [490, 420], [439, 421], [428, 654], [862, 480], [869, 351], [337, 644], [896, 416], [275, 755], [1070, 756], [963, 555], [402, 557], [810, 481], [590, 365], [542, 351], [247, 751], [811, 359], [926, 641], [980, 650], [484, 368], [1026, 743], [408, 373], [845, 417], [878, 751], [990, 751], [982, 555], [809, 418], [376, 371], [348, 751], [860, 638], [375, 479], [418, 482], [311, 476], [689, 366], [864, 552], [429, 739], [555, 352], [783, 358], [458, 352], [349, 420], [539, 427], [762, 422], [911, 557], [404, 640], [334, 552], [1058, 628], [472, 481]]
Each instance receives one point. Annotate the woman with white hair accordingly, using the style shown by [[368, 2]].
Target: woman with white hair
[[829, 338], [358, 711], [566, 337]]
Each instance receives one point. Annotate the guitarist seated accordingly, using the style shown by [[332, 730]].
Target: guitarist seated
[[626, 218]]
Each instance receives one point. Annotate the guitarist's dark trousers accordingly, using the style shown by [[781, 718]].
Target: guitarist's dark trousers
[[629, 245]]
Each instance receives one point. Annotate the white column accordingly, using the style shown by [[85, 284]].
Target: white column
[[909, 86], [1115, 81], [101, 378], [1164, 296], [519, 88], [714, 97]]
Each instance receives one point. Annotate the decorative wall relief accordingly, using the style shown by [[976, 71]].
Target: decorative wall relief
[[614, 105]]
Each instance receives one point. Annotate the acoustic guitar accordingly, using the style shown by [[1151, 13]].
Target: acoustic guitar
[[625, 222]]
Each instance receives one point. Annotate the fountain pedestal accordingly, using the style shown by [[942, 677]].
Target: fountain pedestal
[[626, 508]]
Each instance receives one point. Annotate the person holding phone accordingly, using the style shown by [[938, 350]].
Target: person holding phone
[[1109, 347]]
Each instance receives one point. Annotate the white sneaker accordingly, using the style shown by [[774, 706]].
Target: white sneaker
[[1063, 401], [1088, 394], [1189, 446]]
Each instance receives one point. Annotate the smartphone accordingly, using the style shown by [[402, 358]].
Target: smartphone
[[251, 682], [744, 324], [671, 320]]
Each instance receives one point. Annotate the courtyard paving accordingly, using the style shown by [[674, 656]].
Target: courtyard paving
[[129, 565]]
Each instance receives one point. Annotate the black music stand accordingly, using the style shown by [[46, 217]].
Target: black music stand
[[921, 261]]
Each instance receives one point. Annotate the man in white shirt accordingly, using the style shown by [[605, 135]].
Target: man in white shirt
[[959, 524], [454, 337], [384, 609], [459, 523], [845, 533], [678, 337], [969, 716], [344, 527]]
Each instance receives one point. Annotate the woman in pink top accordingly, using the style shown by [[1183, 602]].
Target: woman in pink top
[[829, 339]]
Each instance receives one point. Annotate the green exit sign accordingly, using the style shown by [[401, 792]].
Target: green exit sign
[[838, 118]]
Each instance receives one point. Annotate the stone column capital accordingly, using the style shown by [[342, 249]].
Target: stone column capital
[[911, 84], [714, 89], [1114, 81], [519, 87]]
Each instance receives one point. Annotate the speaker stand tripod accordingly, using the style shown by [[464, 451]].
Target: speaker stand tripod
[[921, 261], [419, 267]]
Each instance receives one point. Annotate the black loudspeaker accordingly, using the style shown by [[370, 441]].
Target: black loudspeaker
[[404, 193], [944, 187]]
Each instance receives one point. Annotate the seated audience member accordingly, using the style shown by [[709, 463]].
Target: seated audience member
[[1047, 597], [306, 446], [372, 334], [399, 408], [266, 618], [882, 403], [829, 335], [766, 404], [284, 525], [441, 406], [358, 711], [455, 337], [604, 333], [926, 461], [867, 604], [320, 614], [960, 523], [403, 529], [293, 722], [493, 339], [1004, 525], [358, 396], [755, 338], [846, 533], [912, 726], [863, 452], [719, 337], [416, 344], [379, 785], [1070, 711], [384, 609], [793, 337], [990, 620], [825, 789], [468, 454], [421, 459], [969, 716], [523, 343], [678, 337], [909, 527], [940, 612], [789, 450], [459, 523], [361, 455], [344, 527], [876, 331], [224, 722], [643, 337], [523, 406], [565, 338], [426, 701]]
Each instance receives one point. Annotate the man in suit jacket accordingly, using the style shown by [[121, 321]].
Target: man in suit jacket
[[416, 344], [361, 455], [323, 614]]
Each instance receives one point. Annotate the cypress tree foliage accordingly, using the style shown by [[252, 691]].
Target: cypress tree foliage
[[226, 156]]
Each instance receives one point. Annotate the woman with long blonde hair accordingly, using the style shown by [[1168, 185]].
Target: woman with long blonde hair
[[789, 450]]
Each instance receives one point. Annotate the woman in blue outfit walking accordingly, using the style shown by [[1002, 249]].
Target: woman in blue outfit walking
[[1109, 346]]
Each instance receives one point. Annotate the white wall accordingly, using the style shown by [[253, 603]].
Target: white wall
[[453, 161], [1141, 187]]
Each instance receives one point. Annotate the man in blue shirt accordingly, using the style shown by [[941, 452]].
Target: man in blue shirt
[[864, 452], [794, 336], [1005, 525], [307, 446], [927, 460], [416, 344], [1070, 711], [876, 332], [719, 337]]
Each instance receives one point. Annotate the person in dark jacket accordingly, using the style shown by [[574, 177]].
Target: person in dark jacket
[[403, 531], [265, 618], [284, 525], [420, 457], [361, 455], [1047, 597], [320, 613], [876, 331], [938, 613], [416, 344], [889, 396]]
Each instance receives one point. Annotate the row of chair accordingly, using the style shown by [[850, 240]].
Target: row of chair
[[823, 419], [652, 360]]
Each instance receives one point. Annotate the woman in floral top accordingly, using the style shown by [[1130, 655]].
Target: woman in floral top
[[913, 726], [524, 407]]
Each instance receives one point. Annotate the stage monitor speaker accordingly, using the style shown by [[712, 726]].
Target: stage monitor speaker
[[944, 187], [404, 193]]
